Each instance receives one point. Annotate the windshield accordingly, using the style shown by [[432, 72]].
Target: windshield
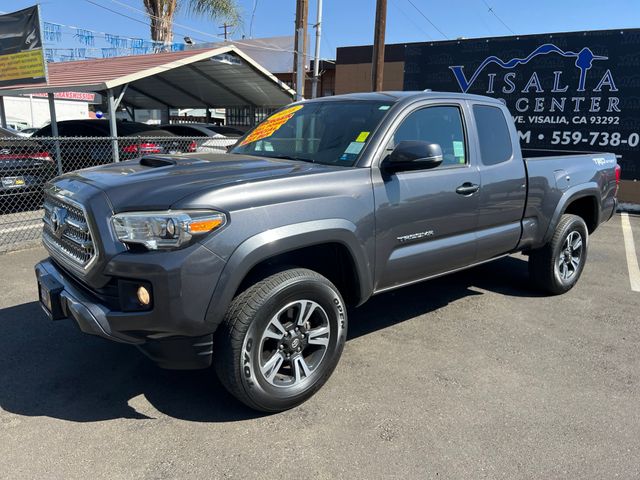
[[329, 132]]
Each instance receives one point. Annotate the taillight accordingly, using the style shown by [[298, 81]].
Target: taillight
[[27, 156], [192, 146], [43, 156], [618, 174], [144, 147]]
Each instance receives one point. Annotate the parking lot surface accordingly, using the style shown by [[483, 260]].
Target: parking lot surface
[[474, 375]]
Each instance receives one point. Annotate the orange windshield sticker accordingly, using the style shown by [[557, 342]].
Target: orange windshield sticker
[[271, 124]]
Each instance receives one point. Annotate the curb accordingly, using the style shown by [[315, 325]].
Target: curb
[[629, 208]]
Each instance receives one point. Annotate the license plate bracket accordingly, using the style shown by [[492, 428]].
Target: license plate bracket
[[49, 290]]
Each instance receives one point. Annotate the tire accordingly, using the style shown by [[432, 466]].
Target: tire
[[259, 355], [556, 267]]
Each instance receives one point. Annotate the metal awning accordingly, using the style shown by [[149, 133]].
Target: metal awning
[[218, 77], [198, 78]]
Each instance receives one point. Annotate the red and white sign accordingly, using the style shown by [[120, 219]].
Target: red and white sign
[[83, 96]]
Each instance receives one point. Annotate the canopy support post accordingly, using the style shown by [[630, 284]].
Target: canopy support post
[[54, 131], [3, 114], [122, 92], [113, 128]]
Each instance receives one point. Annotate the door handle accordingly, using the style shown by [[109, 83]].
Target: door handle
[[467, 188]]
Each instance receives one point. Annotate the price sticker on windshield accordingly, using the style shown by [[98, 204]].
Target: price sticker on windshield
[[271, 124]]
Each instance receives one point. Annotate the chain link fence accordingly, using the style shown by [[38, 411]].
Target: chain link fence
[[27, 164]]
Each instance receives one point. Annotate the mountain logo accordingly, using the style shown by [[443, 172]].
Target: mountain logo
[[584, 62]]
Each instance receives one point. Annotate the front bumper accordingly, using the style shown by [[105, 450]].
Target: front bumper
[[174, 332], [87, 312]]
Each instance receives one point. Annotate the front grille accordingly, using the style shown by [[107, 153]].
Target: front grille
[[66, 231]]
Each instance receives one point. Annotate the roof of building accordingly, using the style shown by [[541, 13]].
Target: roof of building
[[198, 78], [396, 96]]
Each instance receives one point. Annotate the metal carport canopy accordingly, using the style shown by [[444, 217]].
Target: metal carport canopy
[[197, 78]]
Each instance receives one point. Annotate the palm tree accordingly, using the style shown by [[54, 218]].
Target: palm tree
[[161, 14]]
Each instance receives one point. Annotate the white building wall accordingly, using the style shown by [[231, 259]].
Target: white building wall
[[35, 111]]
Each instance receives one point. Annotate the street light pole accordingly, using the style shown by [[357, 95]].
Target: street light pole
[[300, 45], [377, 61], [316, 58]]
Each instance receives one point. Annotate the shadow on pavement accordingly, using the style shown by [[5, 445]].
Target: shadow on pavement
[[507, 276], [52, 369]]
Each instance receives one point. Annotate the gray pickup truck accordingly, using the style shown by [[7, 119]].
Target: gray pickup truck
[[248, 260]]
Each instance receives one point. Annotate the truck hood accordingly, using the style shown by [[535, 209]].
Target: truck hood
[[155, 183]]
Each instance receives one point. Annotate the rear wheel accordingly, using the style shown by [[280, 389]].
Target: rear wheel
[[557, 266], [281, 340]]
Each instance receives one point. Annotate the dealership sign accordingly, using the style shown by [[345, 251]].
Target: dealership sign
[[569, 91], [21, 51]]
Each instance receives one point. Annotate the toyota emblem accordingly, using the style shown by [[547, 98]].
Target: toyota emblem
[[58, 221]]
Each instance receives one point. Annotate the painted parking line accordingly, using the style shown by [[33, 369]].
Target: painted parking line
[[21, 228], [630, 249]]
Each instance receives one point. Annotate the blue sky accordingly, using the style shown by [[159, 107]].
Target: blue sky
[[350, 22]]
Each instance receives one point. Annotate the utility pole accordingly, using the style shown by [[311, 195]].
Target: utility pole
[[226, 26], [300, 45], [377, 61], [316, 57]]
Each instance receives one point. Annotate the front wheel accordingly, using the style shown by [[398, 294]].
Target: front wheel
[[557, 266], [281, 340]]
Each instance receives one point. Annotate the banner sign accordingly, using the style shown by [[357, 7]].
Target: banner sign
[[566, 91], [21, 53], [89, 97]]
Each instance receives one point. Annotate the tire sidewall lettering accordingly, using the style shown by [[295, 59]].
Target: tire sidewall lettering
[[250, 362]]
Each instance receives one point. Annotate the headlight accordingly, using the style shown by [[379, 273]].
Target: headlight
[[165, 230]]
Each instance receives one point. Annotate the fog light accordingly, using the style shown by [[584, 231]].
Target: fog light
[[144, 297]]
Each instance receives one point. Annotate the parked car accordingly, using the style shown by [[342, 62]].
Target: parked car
[[17, 125], [218, 141], [25, 166], [15, 131], [134, 139], [206, 129], [27, 132], [249, 259]]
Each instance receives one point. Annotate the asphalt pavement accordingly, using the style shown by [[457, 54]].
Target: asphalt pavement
[[474, 375]]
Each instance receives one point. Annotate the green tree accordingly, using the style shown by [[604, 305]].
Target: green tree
[[161, 13]]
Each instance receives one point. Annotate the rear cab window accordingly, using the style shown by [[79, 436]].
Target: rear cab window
[[493, 135]]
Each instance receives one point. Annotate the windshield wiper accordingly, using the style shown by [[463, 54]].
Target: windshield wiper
[[291, 157]]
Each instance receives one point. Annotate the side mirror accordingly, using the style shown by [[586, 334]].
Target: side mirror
[[414, 155]]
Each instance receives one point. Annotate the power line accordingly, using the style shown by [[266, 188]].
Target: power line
[[116, 12], [185, 27], [496, 15], [415, 24], [428, 19], [253, 14]]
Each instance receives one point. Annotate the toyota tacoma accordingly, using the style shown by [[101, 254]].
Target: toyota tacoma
[[249, 260]]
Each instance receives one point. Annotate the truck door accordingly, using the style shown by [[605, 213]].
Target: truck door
[[426, 219], [503, 177]]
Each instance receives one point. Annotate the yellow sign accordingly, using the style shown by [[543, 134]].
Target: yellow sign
[[362, 137], [271, 124], [26, 64]]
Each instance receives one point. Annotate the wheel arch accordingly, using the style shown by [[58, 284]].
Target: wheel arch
[[585, 207], [580, 200], [304, 245]]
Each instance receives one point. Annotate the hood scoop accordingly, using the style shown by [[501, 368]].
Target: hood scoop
[[156, 162]]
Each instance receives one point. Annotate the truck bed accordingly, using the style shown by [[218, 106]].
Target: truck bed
[[555, 179]]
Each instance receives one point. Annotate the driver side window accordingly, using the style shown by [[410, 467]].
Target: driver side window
[[441, 125]]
